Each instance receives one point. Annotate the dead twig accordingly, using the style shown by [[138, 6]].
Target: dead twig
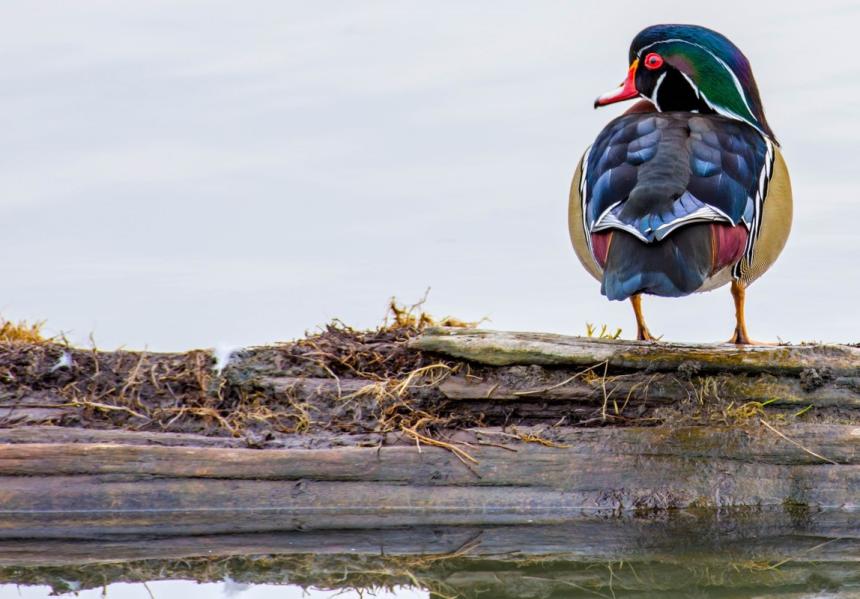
[[795, 443], [463, 456], [566, 381], [84, 403]]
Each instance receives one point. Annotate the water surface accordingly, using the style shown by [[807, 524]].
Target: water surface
[[733, 553]]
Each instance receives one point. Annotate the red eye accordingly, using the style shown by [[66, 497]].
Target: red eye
[[653, 61]]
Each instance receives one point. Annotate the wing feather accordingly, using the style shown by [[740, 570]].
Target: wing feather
[[650, 174]]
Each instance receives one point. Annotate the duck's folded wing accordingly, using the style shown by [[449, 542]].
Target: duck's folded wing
[[650, 173]]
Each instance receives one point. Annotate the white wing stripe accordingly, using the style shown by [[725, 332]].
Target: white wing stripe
[[758, 211], [584, 199]]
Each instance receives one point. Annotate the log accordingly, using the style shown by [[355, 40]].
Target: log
[[23, 434], [352, 430], [94, 489], [499, 348], [472, 463], [540, 376]]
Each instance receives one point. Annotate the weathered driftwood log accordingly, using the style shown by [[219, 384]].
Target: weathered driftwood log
[[820, 375], [500, 348], [454, 426], [85, 489]]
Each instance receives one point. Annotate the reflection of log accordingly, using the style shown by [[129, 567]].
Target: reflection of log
[[768, 536], [675, 427], [680, 553]]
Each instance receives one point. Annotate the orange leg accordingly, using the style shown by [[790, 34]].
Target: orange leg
[[642, 332], [740, 337]]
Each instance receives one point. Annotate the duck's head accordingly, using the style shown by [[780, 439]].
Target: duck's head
[[691, 68]]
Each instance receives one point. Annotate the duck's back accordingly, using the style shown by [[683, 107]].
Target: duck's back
[[673, 203]]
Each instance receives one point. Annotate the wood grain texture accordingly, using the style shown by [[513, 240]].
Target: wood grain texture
[[93, 507], [83, 489], [657, 388], [405, 462]]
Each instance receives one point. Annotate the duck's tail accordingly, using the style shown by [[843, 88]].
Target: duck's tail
[[678, 265]]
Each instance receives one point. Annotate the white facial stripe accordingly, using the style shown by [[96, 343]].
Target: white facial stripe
[[719, 60], [653, 97]]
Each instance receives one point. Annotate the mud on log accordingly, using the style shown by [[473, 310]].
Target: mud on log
[[446, 427]]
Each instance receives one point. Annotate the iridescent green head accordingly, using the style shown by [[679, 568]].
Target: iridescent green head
[[691, 68]]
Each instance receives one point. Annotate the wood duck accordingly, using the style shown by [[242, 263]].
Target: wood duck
[[687, 191]]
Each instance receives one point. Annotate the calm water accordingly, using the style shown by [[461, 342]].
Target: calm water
[[226, 590], [746, 553], [223, 590], [178, 174], [543, 577]]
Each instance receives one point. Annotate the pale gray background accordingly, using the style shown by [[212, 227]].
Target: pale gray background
[[188, 173]]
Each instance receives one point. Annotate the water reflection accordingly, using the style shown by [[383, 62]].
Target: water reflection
[[180, 589], [748, 553], [509, 577]]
